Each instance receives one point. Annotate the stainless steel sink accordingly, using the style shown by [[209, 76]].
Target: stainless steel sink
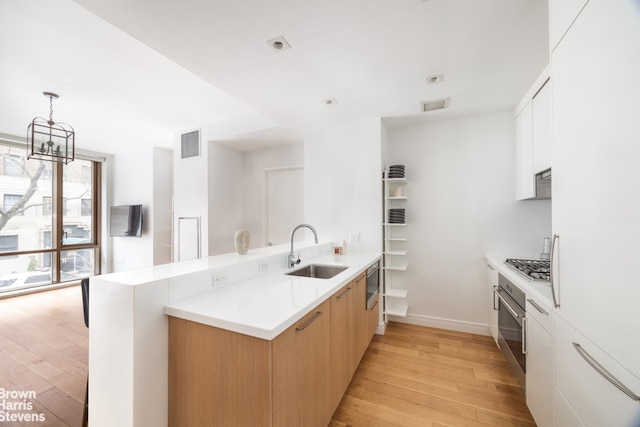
[[317, 271]]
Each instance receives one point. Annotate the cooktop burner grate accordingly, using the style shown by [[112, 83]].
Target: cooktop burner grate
[[536, 269]]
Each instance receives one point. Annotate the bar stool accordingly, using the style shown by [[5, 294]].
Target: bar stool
[[84, 285]]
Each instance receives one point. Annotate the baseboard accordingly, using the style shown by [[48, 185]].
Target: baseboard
[[450, 324]]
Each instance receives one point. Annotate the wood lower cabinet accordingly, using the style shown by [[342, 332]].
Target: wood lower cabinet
[[217, 377], [373, 319], [223, 378], [343, 341], [301, 360], [362, 323]]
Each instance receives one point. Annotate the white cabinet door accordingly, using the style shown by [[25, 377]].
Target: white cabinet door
[[539, 382], [492, 275], [596, 177], [561, 14], [525, 183], [595, 400], [541, 106]]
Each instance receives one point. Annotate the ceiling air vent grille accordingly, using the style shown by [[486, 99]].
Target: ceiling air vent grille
[[438, 104], [190, 144]]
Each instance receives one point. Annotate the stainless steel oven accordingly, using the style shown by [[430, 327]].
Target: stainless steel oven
[[373, 283], [511, 327]]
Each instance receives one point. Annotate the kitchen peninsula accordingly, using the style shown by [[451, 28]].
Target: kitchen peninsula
[[248, 295]]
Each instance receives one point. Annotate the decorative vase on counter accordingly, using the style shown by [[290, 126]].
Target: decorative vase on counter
[[242, 241]]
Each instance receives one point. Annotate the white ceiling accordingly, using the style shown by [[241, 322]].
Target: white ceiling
[[132, 72]]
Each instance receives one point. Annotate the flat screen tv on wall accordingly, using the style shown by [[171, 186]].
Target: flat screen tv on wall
[[125, 221]]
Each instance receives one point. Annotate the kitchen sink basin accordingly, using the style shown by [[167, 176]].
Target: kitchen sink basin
[[317, 271]]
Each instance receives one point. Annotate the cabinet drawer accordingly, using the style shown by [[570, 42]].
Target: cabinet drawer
[[541, 312], [596, 401]]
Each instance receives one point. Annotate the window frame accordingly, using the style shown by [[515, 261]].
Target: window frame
[[57, 248]]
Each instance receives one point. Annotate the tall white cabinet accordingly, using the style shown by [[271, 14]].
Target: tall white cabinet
[[596, 211]]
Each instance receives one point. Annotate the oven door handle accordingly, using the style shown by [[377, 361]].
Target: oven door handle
[[506, 304]]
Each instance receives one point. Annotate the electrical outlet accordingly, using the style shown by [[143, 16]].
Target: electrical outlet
[[354, 238], [220, 278], [263, 267]]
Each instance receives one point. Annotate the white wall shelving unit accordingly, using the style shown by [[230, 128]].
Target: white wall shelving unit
[[394, 247]]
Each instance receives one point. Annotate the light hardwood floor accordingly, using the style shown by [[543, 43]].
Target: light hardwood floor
[[43, 348], [411, 376]]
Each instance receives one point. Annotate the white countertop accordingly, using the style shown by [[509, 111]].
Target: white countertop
[[267, 304], [539, 291]]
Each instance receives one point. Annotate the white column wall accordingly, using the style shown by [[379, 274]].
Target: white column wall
[[132, 185]]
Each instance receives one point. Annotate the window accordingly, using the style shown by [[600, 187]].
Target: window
[[9, 243], [56, 220], [46, 205], [9, 201], [85, 207], [13, 164]]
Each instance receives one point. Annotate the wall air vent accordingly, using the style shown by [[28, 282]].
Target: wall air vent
[[190, 144], [438, 104]]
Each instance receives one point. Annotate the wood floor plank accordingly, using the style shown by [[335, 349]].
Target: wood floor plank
[[414, 375]]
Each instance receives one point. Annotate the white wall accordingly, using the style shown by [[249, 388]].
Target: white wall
[[343, 193], [254, 165], [461, 205]]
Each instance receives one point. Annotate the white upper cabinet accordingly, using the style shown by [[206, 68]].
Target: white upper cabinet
[[541, 106], [525, 183], [562, 13], [533, 136], [596, 185]]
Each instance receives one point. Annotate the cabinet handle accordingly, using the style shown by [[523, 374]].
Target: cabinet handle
[[309, 322], [491, 267], [495, 292], [344, 294], [374, 305], [537, 307], [524, 334], [506, 304], [603, 371], [556, 303]]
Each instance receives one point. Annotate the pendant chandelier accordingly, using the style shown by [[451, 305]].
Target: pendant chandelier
[[48, 140]]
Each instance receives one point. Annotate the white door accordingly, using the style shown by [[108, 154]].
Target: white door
[[284, 200]]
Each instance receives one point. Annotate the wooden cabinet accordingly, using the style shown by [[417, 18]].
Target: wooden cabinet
[[361, 314], [373, 319], [492, 280], [343, 341], [596, 211], [301, 360], [223, 378], [539, 348], [217, 377]]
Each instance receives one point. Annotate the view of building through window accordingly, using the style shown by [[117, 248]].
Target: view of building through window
[[35, 248]]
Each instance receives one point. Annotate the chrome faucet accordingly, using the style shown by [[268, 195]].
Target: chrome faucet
[[292, 259]]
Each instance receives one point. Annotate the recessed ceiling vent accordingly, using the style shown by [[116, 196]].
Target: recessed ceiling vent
[[438, 104], [190, 144]]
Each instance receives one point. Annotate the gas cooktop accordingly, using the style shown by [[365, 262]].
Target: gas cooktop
[[534, 269]]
